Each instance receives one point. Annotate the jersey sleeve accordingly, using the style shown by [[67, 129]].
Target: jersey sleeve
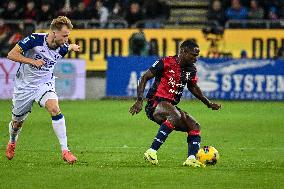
[[29, 42], [64, 49], [157, 67]]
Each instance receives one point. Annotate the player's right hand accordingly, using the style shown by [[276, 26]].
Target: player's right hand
[[38, 63], [214, 106], [136, 107]]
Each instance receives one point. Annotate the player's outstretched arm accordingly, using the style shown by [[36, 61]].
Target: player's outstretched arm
[[74, 47], [16, 55], [137, 106], [196, 91]]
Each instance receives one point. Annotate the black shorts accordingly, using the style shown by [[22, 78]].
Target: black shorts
[[151, 106]]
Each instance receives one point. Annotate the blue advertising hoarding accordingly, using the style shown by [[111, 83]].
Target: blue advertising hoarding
[[237, 79]]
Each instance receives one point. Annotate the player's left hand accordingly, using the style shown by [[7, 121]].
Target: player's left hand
[[136, 107], [214, 106], [74, 47]]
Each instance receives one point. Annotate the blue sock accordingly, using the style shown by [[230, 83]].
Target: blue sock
[[193, 141], [57, 117], [165, 129]]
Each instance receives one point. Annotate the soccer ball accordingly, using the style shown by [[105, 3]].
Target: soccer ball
[[207, 155]]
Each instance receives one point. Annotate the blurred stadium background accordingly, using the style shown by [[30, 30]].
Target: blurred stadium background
[[241, 65]]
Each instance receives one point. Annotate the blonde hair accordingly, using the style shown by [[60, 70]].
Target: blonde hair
[[59, 22]]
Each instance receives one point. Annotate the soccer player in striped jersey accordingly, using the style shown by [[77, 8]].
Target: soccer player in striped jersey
[[34, 81], [172, 74]]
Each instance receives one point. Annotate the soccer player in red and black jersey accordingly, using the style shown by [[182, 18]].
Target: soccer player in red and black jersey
[[171, 75]]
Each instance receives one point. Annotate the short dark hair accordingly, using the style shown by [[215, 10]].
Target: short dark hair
[[188, 44]]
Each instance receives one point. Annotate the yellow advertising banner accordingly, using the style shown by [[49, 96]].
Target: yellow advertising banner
[[97, 44]]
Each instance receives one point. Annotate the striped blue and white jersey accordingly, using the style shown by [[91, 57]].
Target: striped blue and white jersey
[[35, 47]]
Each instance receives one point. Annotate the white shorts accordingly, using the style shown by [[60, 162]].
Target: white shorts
[[23, 99]]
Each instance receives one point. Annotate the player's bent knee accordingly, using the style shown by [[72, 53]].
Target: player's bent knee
[[17, 124], [158, 114], [159, 117], [196, 126], [175, 119], [54, 110], [52, 107]]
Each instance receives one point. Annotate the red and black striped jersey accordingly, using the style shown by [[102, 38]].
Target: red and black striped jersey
[[170, 79]]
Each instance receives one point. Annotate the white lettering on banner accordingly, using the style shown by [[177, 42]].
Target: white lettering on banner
[[243, 86], [216, 94], [256, 95], [280, 83], [259, 80], [238, 79], [132, 84], [213, 95], [270, 83], [248, 84], [259, 83], [226, 83], [240, 95], [208, 74]]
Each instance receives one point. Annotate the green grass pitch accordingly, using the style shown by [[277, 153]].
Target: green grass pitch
[[110, 143]]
